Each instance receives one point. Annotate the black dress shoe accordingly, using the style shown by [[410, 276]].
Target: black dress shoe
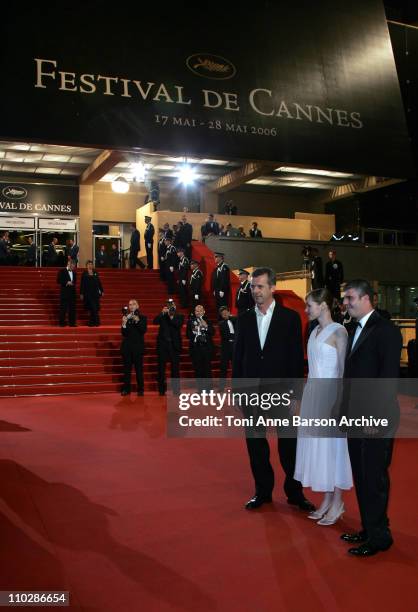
[[257, 501], [161, 393], [354, 538], [367, 550], [125, 392], [302, 504], [140, 393]]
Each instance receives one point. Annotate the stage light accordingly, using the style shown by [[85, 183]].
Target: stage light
[[186, 174], [120, 185]]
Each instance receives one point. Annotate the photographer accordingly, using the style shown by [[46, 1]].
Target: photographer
[[200, 332], [134, 326], [169, 344]]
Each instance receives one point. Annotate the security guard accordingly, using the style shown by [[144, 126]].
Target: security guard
[[220, 281], [244, 299], [196, 283], [183, 271], [170, 262], [161, 253], [149, 242], [227, 331], [200, 332]]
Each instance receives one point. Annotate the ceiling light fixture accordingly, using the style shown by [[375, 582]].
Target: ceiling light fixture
[[138, 172], [314, 171], [186, 174], [120, 185]]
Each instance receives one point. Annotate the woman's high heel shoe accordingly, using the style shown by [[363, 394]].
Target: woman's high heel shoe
[[320, 513], [332, 518]]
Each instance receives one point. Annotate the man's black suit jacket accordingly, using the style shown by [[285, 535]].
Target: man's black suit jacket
[[133, 335], [376, 355], [169, 333], [282, 355], [63, 278]]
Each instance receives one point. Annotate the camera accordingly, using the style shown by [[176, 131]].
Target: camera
[[126, 313], [171, 306]]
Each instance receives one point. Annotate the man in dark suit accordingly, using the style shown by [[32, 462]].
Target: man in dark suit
[[101, 257], [114, 256], [134, 248], [71, 251], [67, 278], [227, 330], [317, 275], [5, 249], [187, 236], [149, 242], [196, 283], [161, 253], [183, 272], [52, 254], [134, 326], [244, 298], [211, 227], [269, 346], [383, 313], [170, 264], [169, 345], [30, 257], [254, 231], [373, 352], [200, 333], [221, 285], [334, 274]]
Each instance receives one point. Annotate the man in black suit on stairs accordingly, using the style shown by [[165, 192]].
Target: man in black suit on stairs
[[268, 345], [67, 278], [373, 352]]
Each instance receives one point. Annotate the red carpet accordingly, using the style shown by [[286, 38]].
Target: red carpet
[[39, 358], [96, 500]]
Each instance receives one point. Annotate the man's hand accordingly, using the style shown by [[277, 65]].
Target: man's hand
[[196, 297], [124, 320], [183, 282], [81, 296], [149, 245], [69, 284], [171, 269], [221, 293]]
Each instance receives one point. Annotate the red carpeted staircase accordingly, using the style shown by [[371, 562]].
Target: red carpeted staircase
[[38, 358]]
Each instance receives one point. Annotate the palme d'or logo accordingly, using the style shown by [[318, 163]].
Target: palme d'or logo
[[211, 66]]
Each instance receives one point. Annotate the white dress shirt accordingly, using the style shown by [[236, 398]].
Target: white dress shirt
[[231, 327], [70, 274], [360, 327], [263, 322]]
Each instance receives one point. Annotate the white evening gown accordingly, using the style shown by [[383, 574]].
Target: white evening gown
[[323, 463]]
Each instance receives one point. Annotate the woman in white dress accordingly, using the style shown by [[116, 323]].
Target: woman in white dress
[[323, 464]]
